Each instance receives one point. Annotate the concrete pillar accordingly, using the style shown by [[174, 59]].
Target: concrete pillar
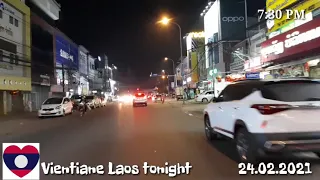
[[5, 102]]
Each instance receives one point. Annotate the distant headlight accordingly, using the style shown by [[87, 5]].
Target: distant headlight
[[58, 107]]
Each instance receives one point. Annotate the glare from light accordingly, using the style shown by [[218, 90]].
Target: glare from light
[[115, 67], [165, 20], [163, 70], [165, 58], [99, 58]]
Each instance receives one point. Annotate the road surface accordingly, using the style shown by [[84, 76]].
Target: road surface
[[125, 135]]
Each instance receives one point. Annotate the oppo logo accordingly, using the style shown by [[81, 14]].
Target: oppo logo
[[233, 19]]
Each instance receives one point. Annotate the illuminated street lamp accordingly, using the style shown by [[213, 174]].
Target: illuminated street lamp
[[163, 70], [173, 68], [166, 21]]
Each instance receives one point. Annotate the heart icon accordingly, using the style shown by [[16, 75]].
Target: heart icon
[[21, 161]]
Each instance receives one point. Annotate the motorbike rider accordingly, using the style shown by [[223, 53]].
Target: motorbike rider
[[163, 96], [83, 104]]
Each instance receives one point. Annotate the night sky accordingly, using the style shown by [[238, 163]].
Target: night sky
[[126, 30]]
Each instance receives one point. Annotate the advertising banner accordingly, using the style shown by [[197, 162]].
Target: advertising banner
[[308, 6], [299, 40], [194, 67], [233, 22], [66, 53], [83, 62], [278, 4]]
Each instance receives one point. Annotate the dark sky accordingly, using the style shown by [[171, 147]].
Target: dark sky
[[126, 30]]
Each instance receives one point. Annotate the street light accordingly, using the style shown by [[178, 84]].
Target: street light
[[163, 77], [166, 21], [163, 70], [173, 68]]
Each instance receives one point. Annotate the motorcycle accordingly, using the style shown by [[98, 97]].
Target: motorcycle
[[82, 108]]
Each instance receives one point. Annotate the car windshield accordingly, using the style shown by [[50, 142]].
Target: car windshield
[[76, 97], [89, 97], [53, 101], [291, 91], [139, 95]]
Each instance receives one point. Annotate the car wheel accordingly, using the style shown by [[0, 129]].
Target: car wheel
[[63, 113], [210, 135], [244, 146], [204, 100]]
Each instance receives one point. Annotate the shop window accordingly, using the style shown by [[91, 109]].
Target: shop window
[[16, 22], [10, 19], [11, 58]]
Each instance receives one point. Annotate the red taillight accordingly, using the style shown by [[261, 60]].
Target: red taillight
[[267, 109]]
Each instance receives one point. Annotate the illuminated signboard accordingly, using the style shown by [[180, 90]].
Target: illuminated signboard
[[299, 40]]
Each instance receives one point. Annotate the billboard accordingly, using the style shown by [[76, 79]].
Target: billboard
[[278, 4], [232, 20], [66, 53], [83, 60], [296, 42], [211, 27], [276, 25], [194, 64]]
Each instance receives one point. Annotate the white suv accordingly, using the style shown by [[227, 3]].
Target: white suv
[[267, 117]]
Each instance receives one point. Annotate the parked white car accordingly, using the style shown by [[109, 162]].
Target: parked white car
[[55, 107], [267, 117], [205, 96]]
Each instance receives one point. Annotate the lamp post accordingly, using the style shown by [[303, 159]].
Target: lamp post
[[166, 21], [173, 70]]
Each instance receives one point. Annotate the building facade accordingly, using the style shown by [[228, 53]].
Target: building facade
[[66, 65], [83, 87], [15, 54], [42, 31], [224, 27]]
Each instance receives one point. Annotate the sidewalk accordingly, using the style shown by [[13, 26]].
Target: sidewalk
[[190, 107]]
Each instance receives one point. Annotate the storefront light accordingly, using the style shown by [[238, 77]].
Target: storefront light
[[189, 79]]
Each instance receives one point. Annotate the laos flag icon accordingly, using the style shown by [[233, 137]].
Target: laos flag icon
[[20, 161]]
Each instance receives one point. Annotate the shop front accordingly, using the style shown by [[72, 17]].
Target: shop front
[[295, 53]]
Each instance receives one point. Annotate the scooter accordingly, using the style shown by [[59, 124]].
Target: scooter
[[82, 108]]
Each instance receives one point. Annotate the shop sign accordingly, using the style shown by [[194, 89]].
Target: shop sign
[[45, 80], [66, 53], [5, 7], [308, 7], [278, 4], [255, 75], [252, 63], [298, 40]]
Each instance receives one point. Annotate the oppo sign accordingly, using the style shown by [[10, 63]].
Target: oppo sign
[[233, 19]]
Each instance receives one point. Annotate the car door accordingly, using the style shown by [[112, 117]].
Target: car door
[[66, 105], [224, 111], [233, 105], [69, 105]]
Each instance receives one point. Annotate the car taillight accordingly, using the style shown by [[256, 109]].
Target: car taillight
[[267, 109]]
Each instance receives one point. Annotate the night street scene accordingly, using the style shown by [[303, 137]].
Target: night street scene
[[159, 89]]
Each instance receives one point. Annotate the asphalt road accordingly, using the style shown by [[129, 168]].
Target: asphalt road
[[155, 134]]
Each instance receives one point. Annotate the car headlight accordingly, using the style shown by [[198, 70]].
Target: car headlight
[[58, 107]]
